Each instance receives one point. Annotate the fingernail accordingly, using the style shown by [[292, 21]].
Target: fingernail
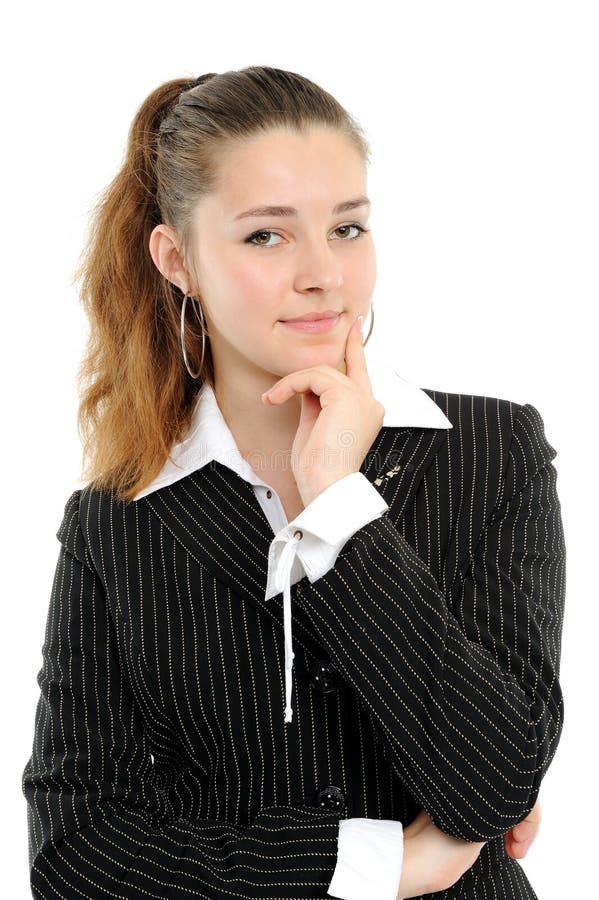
[[360, 320]]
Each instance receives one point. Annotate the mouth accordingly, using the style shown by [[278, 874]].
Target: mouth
[[314, 325]]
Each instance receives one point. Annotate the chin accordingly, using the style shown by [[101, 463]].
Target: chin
[[324, 356]]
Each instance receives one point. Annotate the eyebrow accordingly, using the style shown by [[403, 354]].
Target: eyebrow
[[258, 211]]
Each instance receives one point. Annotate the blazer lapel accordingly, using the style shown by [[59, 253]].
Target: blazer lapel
[[215, 515]]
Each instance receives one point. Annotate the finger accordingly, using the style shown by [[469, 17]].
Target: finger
[[523, 837], [525, 831], [316, 380], [355, 359], [531, 823], [519, 839], [517, 850], [514, 847]]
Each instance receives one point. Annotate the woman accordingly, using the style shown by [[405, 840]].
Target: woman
[[186, 742]]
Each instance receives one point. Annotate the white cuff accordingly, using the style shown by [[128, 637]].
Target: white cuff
[[369, 859], [332, 515], [327, 523]]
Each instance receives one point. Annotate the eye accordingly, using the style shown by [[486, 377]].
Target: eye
[[361, 230], [250, 239], [256, 234]]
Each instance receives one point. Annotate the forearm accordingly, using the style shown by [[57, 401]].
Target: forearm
[[460, 681], [440, 702]]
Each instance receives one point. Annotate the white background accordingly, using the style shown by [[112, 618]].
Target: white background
[[482, 119]]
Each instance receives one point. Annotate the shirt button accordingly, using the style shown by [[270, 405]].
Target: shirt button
[[331, 797], [299, 534], [269, 493], [322, 676]]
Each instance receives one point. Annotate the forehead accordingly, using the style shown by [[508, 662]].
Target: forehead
[[315, 168]]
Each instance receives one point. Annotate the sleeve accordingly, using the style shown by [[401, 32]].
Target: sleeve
[[327, 523], [369, 861], [98, 820], [461, 686]]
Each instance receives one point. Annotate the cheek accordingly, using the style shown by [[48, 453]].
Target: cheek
[[252, 283], [363, 272], [257, 292]]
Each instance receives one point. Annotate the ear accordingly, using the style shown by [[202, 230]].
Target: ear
[[164, 249]]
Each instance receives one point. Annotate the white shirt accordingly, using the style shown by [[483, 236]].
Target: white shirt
[[370, 851]]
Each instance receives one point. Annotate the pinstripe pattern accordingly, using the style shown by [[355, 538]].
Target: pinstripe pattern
[[161, 766]]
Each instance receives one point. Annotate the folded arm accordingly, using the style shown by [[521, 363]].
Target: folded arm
[[461, 687]]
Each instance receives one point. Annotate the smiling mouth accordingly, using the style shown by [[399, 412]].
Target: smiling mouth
[[311, 317], [313, 326]]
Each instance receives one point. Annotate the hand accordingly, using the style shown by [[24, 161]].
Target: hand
[[337, 410], [432, 859], [519, 838]]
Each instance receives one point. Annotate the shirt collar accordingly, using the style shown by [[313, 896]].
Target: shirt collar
[[210, 438]]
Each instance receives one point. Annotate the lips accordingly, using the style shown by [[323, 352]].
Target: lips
[[314, 326], [315, 317]]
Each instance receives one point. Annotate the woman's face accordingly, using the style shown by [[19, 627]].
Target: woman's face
[[253, 271]]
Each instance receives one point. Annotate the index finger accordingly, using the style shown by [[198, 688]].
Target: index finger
[[355, 360]]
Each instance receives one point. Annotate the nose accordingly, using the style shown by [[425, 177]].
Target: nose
[[319, 268]]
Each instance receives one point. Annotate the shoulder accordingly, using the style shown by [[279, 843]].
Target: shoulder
[[69, 531], [497, 425], [84, 509], [474, 410]]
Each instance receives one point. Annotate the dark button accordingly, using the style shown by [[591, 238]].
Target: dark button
[[323, 676], [331, 797], [269, 493]]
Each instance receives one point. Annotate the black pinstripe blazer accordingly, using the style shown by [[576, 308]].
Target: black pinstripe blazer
[[161, 765]]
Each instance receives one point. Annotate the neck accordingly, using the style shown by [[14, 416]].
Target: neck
[[258, 428]]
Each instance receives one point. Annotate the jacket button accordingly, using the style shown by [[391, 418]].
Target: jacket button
[[323, 677], [331, 797]]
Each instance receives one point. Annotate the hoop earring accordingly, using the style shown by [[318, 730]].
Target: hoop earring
[[371, 324], [200, 317]]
